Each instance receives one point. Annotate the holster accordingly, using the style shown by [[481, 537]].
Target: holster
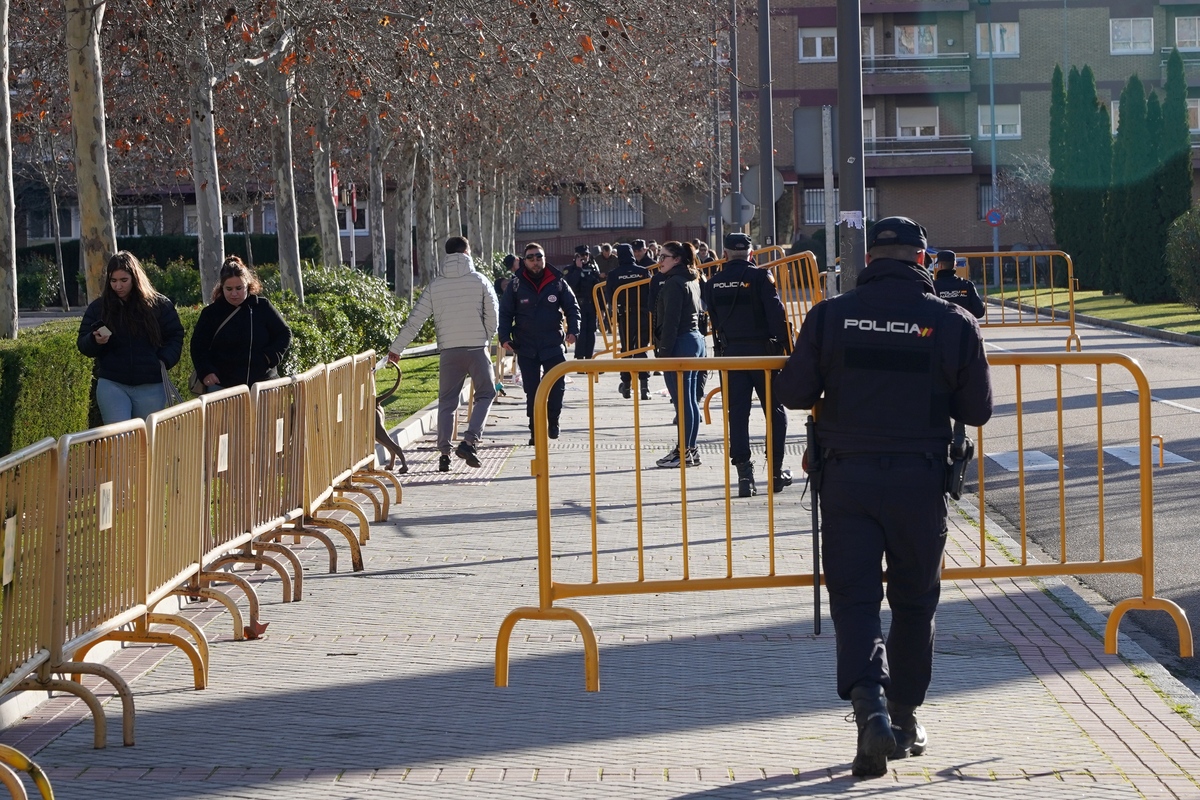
[[814, 460], [962, 450]]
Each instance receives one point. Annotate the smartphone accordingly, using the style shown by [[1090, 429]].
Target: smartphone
[[103, 330]]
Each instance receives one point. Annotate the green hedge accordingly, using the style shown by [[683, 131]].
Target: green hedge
[[165, 250], [46, 383]]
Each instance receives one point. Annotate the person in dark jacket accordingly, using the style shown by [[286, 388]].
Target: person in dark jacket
[[949, 286], [893, 363], [511, 263], [631, 309], [748, 319], [582, 276], [677, 335], [129, 330], [240, 338], [641, 253], [606, 261], [532, 311]]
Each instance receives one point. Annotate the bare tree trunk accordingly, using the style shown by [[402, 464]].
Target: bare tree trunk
[[8, 201], [331, 235], [491, 240], [423, 189], [56, 229], [97, 229], [290, 275], [205, 170], [474, 234], [404, 215], [375, 218]]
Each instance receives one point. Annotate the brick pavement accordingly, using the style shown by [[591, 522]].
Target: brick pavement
[[379, 684]]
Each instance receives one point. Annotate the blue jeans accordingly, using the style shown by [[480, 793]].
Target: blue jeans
[[119, 402], [687, 345]]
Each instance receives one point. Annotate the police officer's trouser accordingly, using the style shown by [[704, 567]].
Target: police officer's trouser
[[874, 506], [742, 385], [632, 337], [532, 369], [585, 342]]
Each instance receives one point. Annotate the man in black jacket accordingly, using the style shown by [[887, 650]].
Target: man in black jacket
[[631, 310], [949, 286], [891, 363], [532, 311], [582, 276], [748, 319]]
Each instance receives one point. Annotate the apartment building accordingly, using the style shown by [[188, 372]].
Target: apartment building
[[927, 115]]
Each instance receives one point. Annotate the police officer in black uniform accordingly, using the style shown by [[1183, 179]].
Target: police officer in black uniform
[[632, 313], [748, 319], [949, 286], [893, 363], [582, 276]]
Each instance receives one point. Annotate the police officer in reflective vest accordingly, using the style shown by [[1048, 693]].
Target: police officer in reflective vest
[[892, 363], [748, 319], [949, 286]]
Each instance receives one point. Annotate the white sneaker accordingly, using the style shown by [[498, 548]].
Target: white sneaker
[[671, 459]]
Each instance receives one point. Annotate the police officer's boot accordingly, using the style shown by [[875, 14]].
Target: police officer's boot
[[624, 389], [911, 739], [645, 386], [875, 738], [781, 479], [746, 487]]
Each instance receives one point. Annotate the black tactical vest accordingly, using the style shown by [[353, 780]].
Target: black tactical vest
[[886, 375], [735, 306]]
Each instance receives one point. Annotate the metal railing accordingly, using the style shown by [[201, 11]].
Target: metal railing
[[579, 564], [1037, 280]]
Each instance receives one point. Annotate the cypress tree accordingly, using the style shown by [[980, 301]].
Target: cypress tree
[[1139, 218], [1117, 201], [1091, 162], [1175, 182], [1058, 157], [1069, 232]]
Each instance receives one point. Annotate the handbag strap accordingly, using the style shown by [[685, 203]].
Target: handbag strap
[[222, 325]]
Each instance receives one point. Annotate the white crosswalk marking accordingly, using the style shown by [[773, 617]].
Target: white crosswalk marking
[[1035, 460], [1130, 455]]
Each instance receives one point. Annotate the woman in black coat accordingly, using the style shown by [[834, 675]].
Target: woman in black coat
[[129, 329], [240, 338]]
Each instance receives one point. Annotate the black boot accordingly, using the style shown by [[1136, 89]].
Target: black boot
[[875, 738], [746, 487], [645, 391], [911, 739], [624, 389]]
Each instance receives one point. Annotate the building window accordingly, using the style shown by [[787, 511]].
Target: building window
[[1005, 39], [916, 40], [240, 222], [37, 224], [814, 205], [191, 221], [917, 123], [538, 214], [270, 224], [1187, 33], [607, 211], [1008, 122], [1131, 35], [138, 220], [360, 223], [867, 42], [989, 198], [818, 44], [868, 124]]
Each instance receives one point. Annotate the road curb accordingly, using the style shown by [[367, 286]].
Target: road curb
[[1100, 322]]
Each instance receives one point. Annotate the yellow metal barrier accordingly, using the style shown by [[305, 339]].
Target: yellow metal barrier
[[365, 467], [711, 563], [13, 761], [318, 468], [608, 330], [341, 391], [632, 314], [1026, 278]]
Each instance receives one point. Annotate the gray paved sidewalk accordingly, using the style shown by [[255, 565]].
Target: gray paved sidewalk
[[379, 684]]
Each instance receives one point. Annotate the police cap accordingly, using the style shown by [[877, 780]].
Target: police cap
[[897, 230], [581, 250], [946, 257], [737, 241]]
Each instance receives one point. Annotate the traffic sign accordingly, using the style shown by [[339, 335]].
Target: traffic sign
[[736, 209], [994, 217], [750, 184]]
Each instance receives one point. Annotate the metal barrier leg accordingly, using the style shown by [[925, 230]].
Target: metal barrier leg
[[99, 721], [290, 555], [346, 504], [122, 689], [259, 561], [297, 531], [388, 476], [375, 483], [201, 641], [1149, 604], [199, 667], [255, 628], [12, 782], [19, 761], [239, 630], [356, 561], [591, 648]]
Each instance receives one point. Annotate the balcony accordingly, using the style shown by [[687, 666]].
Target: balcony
[[933, 155], [1191, 65], [947, 72]]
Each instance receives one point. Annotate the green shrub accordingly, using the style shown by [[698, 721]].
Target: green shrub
[[1183, 256], [37, 282], [369, 311], [180, 281], [45, 385]]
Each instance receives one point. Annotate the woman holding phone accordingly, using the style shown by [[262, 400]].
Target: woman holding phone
[[132, 331]]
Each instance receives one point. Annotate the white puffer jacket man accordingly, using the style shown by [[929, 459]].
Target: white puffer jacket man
[[464, 308]]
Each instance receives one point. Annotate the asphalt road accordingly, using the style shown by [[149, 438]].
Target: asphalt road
[[1102, 503]]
